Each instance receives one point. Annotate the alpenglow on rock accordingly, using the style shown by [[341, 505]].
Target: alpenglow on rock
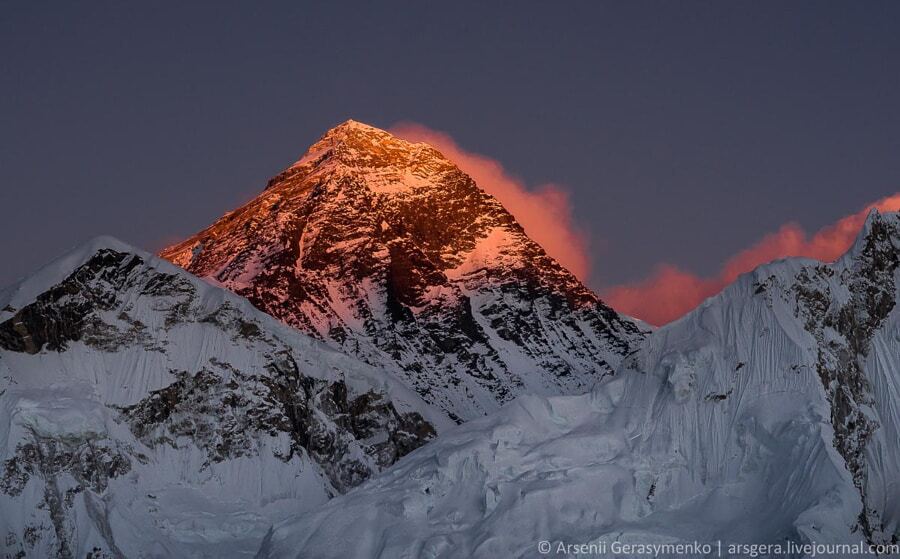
[[768, 415], [388, 251], [146, 413]]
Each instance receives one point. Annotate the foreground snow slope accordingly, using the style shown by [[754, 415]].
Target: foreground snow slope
[[145, 413], [388, 251], [768, 414]]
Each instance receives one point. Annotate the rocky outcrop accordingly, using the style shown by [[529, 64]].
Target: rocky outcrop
[[226, 415], [89, 462], [843, 325]]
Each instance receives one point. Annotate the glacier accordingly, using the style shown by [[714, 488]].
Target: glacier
[[769, 415]]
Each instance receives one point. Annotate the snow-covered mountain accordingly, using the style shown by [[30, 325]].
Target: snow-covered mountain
[[145, 413], [387, 251], [770, 414]]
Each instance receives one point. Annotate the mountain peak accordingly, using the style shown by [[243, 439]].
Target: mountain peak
[[387, 250], [354, 131], [881, 229], [353, 144], [351, 124]]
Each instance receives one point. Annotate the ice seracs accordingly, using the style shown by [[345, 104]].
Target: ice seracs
[[387, 251], [768, 415]]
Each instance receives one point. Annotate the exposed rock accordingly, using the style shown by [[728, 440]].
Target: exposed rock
[[872, 296]]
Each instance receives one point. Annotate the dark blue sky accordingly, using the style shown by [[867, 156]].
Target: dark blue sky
[[683, 130]]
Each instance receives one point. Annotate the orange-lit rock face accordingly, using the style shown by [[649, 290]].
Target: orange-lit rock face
[[544, 212], [385, 249]]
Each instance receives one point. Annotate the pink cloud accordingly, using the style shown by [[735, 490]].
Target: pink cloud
[[544, 212], [668, 293]]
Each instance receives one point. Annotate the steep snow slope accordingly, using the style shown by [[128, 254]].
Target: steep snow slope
[[145, 413], [386, 250], [767, 415]]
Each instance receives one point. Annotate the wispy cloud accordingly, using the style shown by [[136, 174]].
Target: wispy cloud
[[670, 292]]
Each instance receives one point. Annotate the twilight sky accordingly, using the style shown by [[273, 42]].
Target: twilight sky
[[678, 133]]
